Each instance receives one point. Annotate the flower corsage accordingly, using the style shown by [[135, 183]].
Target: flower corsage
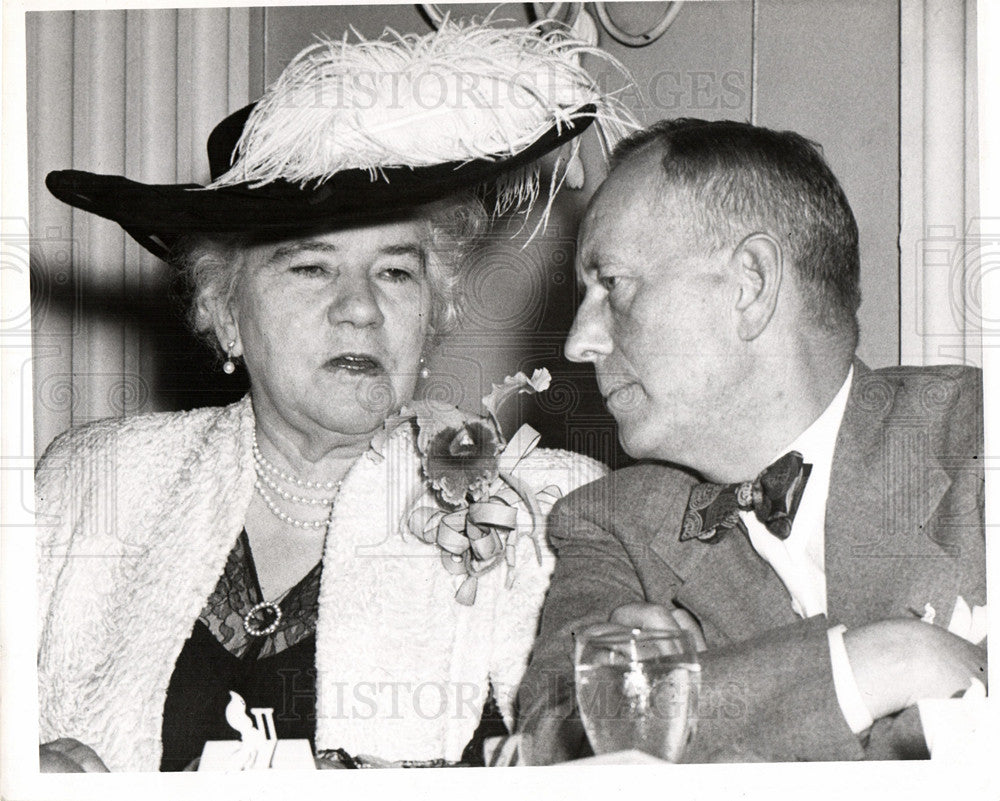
[[469, 469]]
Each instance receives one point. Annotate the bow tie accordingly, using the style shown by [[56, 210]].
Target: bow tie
[[774, 497]]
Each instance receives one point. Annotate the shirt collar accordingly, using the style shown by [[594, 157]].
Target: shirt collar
[[817, 443]]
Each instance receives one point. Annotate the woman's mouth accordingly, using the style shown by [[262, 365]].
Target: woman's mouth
[[359, 363]]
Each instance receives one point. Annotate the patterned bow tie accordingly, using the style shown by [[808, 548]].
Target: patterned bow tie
[[774, 497]]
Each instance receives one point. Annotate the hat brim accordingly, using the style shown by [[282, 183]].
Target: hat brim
[[155, 215]]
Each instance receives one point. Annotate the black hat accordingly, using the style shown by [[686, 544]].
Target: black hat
[[350, 131]]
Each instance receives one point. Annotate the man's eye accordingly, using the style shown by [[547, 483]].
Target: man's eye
[[607, 282]]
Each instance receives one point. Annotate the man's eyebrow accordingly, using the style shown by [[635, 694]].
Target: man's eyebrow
[[590, 265]]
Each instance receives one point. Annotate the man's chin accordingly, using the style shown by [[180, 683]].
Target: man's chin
[[643, 442], [632, 441]]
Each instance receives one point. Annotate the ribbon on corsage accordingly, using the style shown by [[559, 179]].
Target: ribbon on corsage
[[471, 472]]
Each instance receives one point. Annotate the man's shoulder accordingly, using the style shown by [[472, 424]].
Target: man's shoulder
[[642, 490], [949, 395], [938, 386]]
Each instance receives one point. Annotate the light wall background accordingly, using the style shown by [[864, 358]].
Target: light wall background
[[136, 92], [829, 70]]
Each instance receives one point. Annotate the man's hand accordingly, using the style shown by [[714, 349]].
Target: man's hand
[[328, 763], [646, 617], [899, 662], [67, 755], [657, 616]]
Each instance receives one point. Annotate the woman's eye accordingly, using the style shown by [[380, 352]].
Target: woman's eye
[[307, 269], [397, 274]]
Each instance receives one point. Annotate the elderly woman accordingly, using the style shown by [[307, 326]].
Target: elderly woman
[[301, 546]]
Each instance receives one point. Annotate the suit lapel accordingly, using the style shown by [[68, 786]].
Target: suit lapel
[[880, 559], [726, 585], [884, 486]]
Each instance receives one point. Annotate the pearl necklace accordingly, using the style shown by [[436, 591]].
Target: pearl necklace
[[254, 622], [287, 518], [262, 467], [261, 460], [288, 496]]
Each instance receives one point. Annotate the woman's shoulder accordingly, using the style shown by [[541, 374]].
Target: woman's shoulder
[[566, 469], [155, 432]]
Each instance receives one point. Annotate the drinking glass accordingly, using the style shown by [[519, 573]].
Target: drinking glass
[[638, 689]]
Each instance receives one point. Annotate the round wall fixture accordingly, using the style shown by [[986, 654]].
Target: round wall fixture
[[554, 12], [565, 13], [637, 39]]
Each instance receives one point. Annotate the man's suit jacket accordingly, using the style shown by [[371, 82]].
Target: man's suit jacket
[[904, 528]]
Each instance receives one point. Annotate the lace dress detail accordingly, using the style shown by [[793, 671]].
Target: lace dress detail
[[238, 591]]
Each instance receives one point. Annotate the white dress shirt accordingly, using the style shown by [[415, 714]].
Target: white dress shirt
[[798, 560]]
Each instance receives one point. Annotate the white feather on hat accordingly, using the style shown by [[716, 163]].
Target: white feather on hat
[[466, 91]]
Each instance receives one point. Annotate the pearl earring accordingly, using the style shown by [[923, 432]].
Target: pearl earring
[[229, 366], [425, 372]]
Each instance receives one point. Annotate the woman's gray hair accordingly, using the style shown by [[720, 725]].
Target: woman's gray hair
[[210, 265]]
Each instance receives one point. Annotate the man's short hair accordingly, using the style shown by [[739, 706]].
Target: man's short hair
[[744, 179]]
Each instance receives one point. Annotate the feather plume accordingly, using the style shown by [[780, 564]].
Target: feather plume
[[467, 91]]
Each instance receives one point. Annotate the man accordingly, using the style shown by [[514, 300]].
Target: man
[[721, 269]]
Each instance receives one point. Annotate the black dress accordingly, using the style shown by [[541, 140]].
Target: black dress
[[277, 670]]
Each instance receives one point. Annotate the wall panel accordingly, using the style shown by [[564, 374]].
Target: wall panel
[[831, 72], [125, 92]]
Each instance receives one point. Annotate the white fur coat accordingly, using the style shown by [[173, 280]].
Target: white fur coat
[[136, 518]]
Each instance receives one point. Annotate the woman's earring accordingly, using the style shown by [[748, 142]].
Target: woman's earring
[[425, 372], [229, 366]]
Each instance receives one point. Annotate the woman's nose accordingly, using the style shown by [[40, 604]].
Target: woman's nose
[[589, 338], [355, 303]]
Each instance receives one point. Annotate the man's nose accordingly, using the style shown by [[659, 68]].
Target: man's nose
[[589, 338], [355, 303]]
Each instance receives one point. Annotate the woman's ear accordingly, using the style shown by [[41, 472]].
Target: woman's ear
[[220, 316], [759, 264]]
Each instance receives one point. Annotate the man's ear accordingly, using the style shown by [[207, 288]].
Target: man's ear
[[759, 264]]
